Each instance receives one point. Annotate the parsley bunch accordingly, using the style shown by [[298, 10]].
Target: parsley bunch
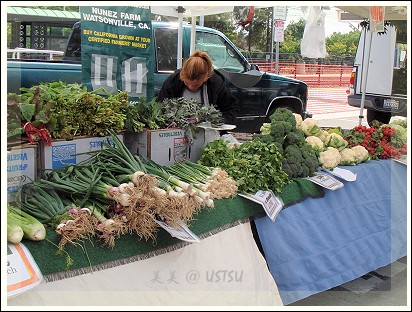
[[254, 165]]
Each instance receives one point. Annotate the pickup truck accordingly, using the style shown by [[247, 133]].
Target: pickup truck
[[383, 83], [259, 93]]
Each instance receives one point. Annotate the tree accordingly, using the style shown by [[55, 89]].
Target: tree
[[339, 44], [223, 22], [292, 38]]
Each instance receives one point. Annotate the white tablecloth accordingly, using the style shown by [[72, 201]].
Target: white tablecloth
[[225, 269]]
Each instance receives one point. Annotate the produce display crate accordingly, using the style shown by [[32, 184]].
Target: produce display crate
[[22, 166], [167, 146], [63, 152]]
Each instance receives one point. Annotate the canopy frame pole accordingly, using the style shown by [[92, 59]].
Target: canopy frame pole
[[180, 11], [193, 36], [365, 69]]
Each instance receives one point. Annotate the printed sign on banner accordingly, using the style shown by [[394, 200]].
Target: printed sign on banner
[[116, 49]]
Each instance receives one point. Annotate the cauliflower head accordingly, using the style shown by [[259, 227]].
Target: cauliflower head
[[298, 119], [361, 154], [323, 135], [310, 127], [329, 158], [347, 157], [265, 128], [315, 142]]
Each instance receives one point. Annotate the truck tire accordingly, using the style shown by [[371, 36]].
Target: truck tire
[[382, 117]]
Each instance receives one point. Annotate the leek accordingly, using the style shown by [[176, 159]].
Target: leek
[[14, 231], [32, 228]]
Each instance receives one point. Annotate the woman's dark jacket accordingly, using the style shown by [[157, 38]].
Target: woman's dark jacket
[[218, 92]]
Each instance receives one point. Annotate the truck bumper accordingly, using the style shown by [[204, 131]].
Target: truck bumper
[[393, 105]]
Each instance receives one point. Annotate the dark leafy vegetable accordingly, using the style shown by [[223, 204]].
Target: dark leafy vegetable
[[254, 165], [68, 110], [184, 113]]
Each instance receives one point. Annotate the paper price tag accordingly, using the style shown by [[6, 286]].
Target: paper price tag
[[181, 232], [342, 173], [325, 181], [272, 204]]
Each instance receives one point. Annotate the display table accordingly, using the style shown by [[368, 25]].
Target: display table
[[321, 243], [225, 269]]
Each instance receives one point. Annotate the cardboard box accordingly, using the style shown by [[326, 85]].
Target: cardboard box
[[21, 167], [64, 152], [167, 146]]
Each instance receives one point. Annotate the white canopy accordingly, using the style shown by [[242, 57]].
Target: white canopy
[[190, 11], [391, 12]]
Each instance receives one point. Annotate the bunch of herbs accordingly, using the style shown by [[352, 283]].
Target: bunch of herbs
[[254, 165]]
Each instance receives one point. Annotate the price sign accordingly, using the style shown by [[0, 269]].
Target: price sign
[[181, 232], [272, 204], [326, 181], [22, 271]]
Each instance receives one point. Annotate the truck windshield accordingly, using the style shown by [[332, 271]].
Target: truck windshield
[[222, 54]]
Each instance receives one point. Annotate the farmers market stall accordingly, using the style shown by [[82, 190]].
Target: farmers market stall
[[312, 246], [324, 242]]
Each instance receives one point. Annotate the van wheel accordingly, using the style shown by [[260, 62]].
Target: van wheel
[[382, 117]]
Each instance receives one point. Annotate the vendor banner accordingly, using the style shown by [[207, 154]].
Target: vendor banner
[[117, 53]]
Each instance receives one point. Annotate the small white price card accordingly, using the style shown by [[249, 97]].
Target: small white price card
[[181, 232], [22, 271], [326, 181], [342, 173], [272, 204]]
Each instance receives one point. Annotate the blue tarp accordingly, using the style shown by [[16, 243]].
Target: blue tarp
[[322, 243]]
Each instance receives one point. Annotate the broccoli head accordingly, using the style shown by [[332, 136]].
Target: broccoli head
[[292, 167], [263, 137], [277, 130], [296, 137], [310, 165], [279, 147], [308, 151], [285, 116], [293, 151], [310, 160]]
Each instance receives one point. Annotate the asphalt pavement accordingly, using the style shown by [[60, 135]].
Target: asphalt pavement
[[330, 107]]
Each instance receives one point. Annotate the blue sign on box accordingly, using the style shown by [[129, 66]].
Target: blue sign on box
[[71, 152], [63, 155]]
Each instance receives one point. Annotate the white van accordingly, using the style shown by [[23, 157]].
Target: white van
[[386, 81]]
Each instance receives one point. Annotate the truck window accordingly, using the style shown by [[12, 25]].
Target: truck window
[[399, 71], [221, 53], [166, 49], [73, 50]]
